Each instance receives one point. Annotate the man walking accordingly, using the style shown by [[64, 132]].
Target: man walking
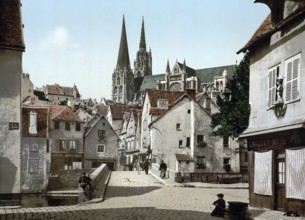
[[162, 168]]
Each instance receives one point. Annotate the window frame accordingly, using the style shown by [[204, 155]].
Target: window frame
[[97, 148], [273, 74]]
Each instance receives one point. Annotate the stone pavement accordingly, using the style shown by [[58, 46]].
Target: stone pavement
[[137, 197]]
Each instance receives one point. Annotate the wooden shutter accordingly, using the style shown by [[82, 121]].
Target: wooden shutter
[[271, 87], [292, 78]]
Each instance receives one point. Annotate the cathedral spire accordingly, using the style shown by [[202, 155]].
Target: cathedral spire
[[142, 40], [123, 57], [167, 68]]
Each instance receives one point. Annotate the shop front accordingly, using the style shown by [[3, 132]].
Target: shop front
[[277, 169]]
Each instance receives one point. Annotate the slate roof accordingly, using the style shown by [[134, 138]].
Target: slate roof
[[266, 29], [63, 113], [207, 75], [61, 90], [11, 33], [150, 82], [190, 71]]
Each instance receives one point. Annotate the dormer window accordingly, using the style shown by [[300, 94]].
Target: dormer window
[[33, 123], [163, 103]]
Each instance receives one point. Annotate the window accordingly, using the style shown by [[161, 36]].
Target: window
[[188, 111], [72, 163], [67, 126], [101, 148], [201, 163], [162, 103], [188, 142], [292, 66], [72, 145], [180, 143], [33, 123], [281, 172], [102, 134], [200, 138], [56, 125], [273, 74], [178, 127], [61, 145], [77, 126], [225, 141], [226, 164]]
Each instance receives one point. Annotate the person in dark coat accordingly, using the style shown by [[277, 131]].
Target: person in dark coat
[[220, 205], [162, 168], [146, 166]]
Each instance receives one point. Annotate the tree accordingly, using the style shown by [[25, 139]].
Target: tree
[[234, 110]]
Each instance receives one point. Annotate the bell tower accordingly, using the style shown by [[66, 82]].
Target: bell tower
[[122, 77]]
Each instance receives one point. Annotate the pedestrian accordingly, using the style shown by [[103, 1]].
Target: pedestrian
[[138, 166], [162, 168], [146, 166], [220, 205]]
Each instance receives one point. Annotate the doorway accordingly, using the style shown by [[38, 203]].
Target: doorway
[[280, 181]]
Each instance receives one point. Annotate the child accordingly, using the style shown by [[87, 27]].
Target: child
[[220, 204]]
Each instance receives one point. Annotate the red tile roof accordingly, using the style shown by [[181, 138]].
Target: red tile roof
[[61, 90], [102, 109], [266, 29], [11, 34], [118, 110], [63, 113], [170, 96]]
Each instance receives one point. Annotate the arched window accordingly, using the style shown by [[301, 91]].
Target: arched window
[[118, 81], [121, 89], [115, 90]]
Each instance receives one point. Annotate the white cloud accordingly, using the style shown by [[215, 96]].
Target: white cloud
[[58, 37]]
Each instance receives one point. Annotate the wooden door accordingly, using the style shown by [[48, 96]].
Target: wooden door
[[279, 188]]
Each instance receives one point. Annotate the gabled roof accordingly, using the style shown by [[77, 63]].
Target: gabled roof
[[96, 121], [266, 29], [61, 90], [165, 111], [63, 113], [170, 96], [190, 71], [207, 75], [11, 33]]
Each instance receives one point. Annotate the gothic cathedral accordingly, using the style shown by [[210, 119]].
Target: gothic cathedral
[[125, 82]]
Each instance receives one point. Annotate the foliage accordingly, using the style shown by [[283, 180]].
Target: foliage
[[234, 110]]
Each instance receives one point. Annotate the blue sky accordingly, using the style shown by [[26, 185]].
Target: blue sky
[[77, 41]]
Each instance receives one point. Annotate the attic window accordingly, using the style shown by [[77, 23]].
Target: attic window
[[163, 103]]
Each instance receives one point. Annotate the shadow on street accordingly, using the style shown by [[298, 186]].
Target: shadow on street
[[121, 191]]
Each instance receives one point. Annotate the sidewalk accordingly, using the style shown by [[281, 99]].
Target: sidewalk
[[168, 182]]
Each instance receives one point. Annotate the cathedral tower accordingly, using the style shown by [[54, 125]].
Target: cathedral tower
[[143, 62], [122, 77]]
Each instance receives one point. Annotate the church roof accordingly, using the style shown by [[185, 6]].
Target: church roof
[[150, 82], [207, 75], [11, 34], [123, 57]]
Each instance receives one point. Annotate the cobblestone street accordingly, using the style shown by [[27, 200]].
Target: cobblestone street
[[137, 197]]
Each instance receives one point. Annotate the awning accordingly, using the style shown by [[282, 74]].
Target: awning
[[249, 133], [184, 157]]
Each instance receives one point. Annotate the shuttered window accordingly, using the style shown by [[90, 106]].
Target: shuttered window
[[292, 78], [272, 76]]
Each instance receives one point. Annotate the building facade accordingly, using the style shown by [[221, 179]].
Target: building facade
[[11, 49], [275, 136]]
